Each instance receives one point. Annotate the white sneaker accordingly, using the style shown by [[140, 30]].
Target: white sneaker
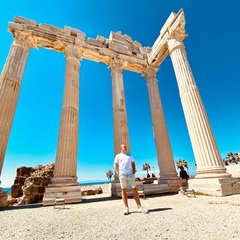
[[142, 210], [126, 212]]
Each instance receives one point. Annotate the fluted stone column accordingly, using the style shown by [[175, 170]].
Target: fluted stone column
[[164, 152], [207, 156], [66, 157], [10, 83], [64, 182], [121, 135]]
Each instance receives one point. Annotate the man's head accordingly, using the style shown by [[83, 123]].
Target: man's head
[[123, 148]]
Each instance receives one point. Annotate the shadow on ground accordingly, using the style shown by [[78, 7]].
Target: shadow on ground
[[26, 206], [98, 199]]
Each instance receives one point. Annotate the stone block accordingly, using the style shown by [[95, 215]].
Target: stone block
[[100, 38], [16, 190], [24, 171], [139, 55], [41, 189], [119, 48], [17, 26], [117, 37], [50, 28], [94, 42], [3, 198], [176, 184], [134, 49], [30, 190], [216, 186], [137, 44], [74, 32], [36, 180], [168, 23], [234, 170], [128, 38], [71, 194], [38, 198], [89, 192], [22, 20]]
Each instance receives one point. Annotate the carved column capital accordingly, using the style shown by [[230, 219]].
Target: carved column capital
[[25, 40], [73, 52], [150, 73], [175, 40], [115, 65]]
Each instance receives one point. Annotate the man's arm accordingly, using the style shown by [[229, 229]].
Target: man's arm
[[133, 167], [116, 168]]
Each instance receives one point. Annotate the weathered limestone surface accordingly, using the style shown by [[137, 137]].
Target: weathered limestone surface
[[120, 124], [10, 83], [132, 55], [149, 188], [234, 170], [216, 186], [3, 198], [162, 142], [65, 172], [30, 183], [95, 191]]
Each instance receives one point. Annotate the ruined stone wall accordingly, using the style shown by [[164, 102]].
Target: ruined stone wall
[[29, 184]]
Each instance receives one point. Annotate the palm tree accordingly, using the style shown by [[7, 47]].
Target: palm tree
[[147, 167], [231, 158], [182, 163], [109, 174]]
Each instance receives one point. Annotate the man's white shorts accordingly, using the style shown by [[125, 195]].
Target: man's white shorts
[[127, 179]]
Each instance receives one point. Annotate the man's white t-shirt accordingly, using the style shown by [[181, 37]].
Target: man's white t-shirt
[[125, 163]]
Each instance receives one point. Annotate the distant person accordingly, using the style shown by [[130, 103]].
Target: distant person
[[125, 168], [153, 176], [183, 174]]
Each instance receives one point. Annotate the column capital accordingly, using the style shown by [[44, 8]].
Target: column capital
[[115, 65], [24, 40], [175, 40], [73, 52], [150, 73]]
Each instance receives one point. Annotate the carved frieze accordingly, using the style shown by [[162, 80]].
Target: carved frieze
[[25, 40]]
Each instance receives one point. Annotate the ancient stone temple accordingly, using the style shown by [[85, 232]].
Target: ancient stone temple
[[119, 52]]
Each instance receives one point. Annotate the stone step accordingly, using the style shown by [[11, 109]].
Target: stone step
[[149, 189]]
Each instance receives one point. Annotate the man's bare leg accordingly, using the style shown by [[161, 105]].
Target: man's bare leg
[[136, 197], [124, 197]]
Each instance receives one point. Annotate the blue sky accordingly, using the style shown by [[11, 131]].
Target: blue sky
[[213, 54]]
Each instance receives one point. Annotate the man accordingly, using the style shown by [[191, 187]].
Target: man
[[124, 167], [183, 174]]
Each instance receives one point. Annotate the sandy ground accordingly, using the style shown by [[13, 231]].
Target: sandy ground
[[101, 217]]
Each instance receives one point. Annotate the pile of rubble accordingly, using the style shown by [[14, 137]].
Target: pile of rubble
[[30, 183]]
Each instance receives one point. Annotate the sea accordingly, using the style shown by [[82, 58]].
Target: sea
[[81, 184]]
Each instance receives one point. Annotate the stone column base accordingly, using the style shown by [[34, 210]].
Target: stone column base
[[174, 184], [71, 194], [218, 187], [3, 198], [149, 189]]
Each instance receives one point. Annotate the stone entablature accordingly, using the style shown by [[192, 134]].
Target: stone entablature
[[174, 26], [132, 55]]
